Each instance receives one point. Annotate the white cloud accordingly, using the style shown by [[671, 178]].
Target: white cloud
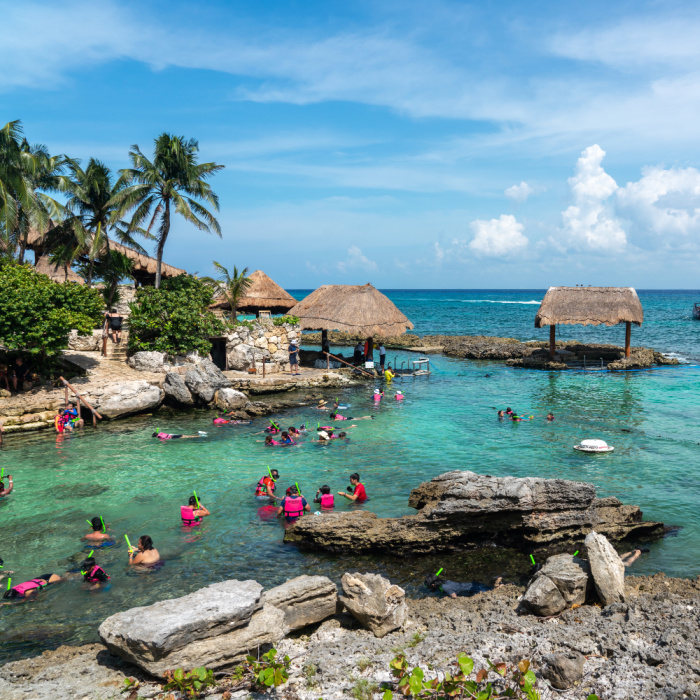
[[356, 260], [439, 253], [589, 223], [519, 193], [500, 237]]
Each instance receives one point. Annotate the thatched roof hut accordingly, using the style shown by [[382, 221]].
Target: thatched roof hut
[[263, 293], [353, 308], [144, 271], [56, 272], [590, 306]]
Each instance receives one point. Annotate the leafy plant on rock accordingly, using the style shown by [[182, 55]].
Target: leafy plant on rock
[[509, 681], [268, 672], [189, 683], [281, 320], [174, 319]]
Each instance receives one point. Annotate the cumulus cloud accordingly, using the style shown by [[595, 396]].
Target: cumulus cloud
[[439, 253], [590, 223], [519, 193], [356, 260], [497, 238]]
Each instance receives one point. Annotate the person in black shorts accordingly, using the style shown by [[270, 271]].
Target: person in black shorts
[[293, 350], [114, 325], [19, 373]]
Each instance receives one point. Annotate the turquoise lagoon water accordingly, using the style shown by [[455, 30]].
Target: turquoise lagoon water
[[447, 421]]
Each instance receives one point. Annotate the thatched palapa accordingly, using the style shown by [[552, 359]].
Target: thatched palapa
[[352, 308], [589, 306], [57, 272], [263, 294]]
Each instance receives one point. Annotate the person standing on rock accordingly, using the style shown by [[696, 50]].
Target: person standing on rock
[[145, 553], [358, 495], [293, 505], [293, 350]]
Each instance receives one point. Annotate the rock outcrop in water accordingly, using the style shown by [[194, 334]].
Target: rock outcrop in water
[[463, 510]]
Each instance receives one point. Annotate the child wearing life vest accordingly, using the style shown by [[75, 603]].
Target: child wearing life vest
[[293, 505], [29, 588], [398, 395], [92, 573], [326, 497], [193, 513], [266, 486]]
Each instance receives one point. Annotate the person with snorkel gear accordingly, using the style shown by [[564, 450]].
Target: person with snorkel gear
[[193, 512], [266, 486], [359, 494], [6, 491], [99, 531], [145, 553], [293, 505], [93, 573]]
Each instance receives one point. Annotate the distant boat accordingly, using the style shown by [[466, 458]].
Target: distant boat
[[696, 311]]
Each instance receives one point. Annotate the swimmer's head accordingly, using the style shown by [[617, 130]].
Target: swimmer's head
[[355, 477], [87, 565], [509, 410], [432, 582], [275, 474], [285, 434], [146, 542], [333, 415], [192, 501], [292, 491], [96, 524], [342, 435], [154, 435], [268, 440], [376, 391], [325, 489]]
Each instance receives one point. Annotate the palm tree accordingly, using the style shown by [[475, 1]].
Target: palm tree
[[232, 286], [173, 181]]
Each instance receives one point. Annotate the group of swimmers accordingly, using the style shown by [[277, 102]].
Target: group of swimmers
[[509, 414]]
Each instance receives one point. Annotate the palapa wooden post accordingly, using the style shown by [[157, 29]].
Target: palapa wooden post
[[65, 403], [552, 340], [628, 337], [263, 365]]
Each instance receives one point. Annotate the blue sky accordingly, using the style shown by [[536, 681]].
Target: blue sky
[[407, 144]]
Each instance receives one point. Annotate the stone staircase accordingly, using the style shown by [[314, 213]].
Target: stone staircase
[[117, 352]]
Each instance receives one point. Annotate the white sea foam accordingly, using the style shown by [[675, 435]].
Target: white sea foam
[[493, 301], [681, 358]]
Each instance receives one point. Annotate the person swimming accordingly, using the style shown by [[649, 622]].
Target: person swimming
[[92, 573], [286, 439], [325, 497], [172, 436], [454, 588], [398, 395], [293, 505], [293, 431], [99, 531], [193, 512], [501, 415], [6, 491], [145, 553], [509, 411], [31, 587], [550, 417], [269, 442], [378, 395], [266, 486], [337, 416]]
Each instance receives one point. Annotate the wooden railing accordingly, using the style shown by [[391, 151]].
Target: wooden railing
[[80, 398], [338, 359]]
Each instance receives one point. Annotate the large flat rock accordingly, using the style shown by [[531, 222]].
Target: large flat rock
[[147, 634], [304, 600]]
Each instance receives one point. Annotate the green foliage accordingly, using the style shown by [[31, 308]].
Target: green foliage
[[281, 320], [174, 319], [364, 663], [416, 639], [37, 313], [364, 689], [267, 671], [189, 684], [310, 671], [232, 323], [510, 682]]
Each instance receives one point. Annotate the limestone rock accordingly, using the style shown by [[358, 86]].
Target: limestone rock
[[375, 602], [570, 575], [266, 626], [543, 598], [607, 569], [204, 379], [147, 634], [564, 670], [240, 357], [304, 600], [89, 343], [147, 361], [128, 398], [176, 390], [227, 399]]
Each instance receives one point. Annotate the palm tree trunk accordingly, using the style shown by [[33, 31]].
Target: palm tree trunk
[[161, 240], [88, 281]]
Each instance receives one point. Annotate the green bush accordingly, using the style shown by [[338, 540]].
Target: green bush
[[281, 320], [36, 313], [189, 684], [174, 319]]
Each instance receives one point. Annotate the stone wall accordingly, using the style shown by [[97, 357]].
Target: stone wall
[[246, 347]]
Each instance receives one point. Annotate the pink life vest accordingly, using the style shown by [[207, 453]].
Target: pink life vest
[[273, 442], [163, 436], [293, 507], [90, 576], [337, 416], [327, 500], [220, 421], [327, 427], [187, 515], [399, 397], [377, 397], [23, 588]]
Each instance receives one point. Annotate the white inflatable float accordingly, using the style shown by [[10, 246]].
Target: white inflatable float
[[593, 446]]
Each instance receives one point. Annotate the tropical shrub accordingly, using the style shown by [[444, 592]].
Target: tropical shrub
[[190, 684], [281, 320], [174, 319], [36, 313]]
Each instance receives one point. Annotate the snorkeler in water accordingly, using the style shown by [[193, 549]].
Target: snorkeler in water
[[193, 512], [99, 531], [30, 588], [172, 436], [6, 491], [145, 553], [93, 573], [550, 417], [453, 589], [336, 416]]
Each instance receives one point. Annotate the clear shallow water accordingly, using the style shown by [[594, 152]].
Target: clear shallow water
[[446, 422]]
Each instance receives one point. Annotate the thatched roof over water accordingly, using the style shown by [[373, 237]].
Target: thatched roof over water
[[589, 306], [353, 308], [57, 272], [263, 293]]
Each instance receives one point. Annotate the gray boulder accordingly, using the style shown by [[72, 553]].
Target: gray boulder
[[240, 357], [607, 569], [563, 670], [147, 361], [570, 575], [204, 379], [176, 390], [150, 633], [228, 399], [375, 602], [128, 398], [543, 598], [89, 343], [304, 600]]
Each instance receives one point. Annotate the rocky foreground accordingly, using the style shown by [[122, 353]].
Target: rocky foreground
[[461, 510], [645, 647]]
